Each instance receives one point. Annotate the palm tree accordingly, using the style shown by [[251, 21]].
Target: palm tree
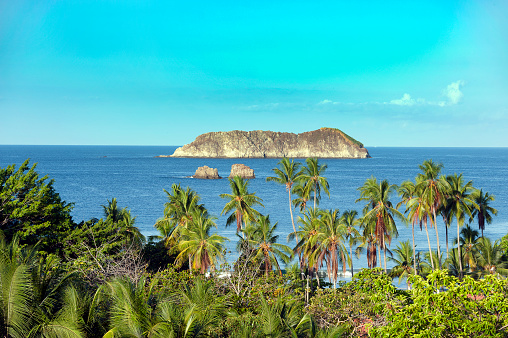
[[131, 313], [132, 233], [407, 191], [351, 222], [312, 176], [309, 231], [178, 212], [198, 246], [369, 241], [380, 209], [16, 307], [331, 243], [112, 212], [241, 202], [433, 191], [264, 243], [491, 258], [460, 203], [404, 259], [287, 174], [303, 192], [484, 211], [468, 241]]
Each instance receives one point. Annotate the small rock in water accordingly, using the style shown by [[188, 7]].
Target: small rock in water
[[241, 170], [206, 172]]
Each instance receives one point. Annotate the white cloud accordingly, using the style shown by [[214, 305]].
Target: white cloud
[[326, 101], [453, 93], [406, 100]]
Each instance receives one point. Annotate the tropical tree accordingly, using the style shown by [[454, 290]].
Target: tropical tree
[[240, 203], [484, 211], [403, 262], [287, 174], [112, 212], [407, 192], [491, 258], [468, 240], [131, 313], [31, 209], [331, 243], [308, 245], [460, 203], [264, 242], [379, 209], [178, 212], [433, 191], [198, 246], [31, 294], [303, 191], [351, 222], [312, 176]]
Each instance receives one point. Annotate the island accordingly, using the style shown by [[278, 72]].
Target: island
[[321, 143]]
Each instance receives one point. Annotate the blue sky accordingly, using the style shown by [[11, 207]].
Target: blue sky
[[389, 73]]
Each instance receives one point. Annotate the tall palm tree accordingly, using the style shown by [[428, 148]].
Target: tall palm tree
[[404, 259], [460, 203], [309, 231], [369, 241], [407, 191], [264, 243], [331, 243], [380, 209], [312, 175], [241, 202], [287, 174], [351, 222], [198, 246], [433, 191], [484, 211]]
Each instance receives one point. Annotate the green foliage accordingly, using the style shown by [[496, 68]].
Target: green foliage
[[357, 305], [443, 306], [30, 208]]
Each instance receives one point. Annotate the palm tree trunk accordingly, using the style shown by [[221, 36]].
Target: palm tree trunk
[[291, 212], [430, 249], [437, 238], [446, 227], [384, 257], [315, 195], [414, 251], [458, 247], [351, 256]]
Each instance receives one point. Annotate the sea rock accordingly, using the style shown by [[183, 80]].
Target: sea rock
[[206, 172], [322, 143], [241, 170]]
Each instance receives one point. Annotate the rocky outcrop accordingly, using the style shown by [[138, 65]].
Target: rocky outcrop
[[206, 172], [241, 170], [322, 143]]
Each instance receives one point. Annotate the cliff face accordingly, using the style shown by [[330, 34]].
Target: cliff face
[[324, 143]]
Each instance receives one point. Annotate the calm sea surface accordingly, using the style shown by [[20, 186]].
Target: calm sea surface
[[88, 176]]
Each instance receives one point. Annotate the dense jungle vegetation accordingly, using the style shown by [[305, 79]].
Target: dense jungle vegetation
[[103, 278]]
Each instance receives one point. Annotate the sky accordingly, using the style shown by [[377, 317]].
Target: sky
[[140, 72]]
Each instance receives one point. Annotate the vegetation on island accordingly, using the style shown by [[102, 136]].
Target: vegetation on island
[[102, 278]]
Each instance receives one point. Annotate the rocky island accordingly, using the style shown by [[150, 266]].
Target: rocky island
[[322, 143]]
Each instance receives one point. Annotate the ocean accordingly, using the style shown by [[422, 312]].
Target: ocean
[[89, 176]]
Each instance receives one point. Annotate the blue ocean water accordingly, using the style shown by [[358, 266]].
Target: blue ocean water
[[88, 176]]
